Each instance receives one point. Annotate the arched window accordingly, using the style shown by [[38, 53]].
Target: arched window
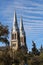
[[14, 45], [14, 36]]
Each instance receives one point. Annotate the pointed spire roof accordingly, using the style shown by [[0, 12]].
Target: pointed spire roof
[[21, 24], [21, 27], [15, 24]]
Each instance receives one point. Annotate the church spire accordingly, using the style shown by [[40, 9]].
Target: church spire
[[15, 25], [21, 27]]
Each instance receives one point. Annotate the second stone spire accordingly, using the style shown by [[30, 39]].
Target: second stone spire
[[21, 27]]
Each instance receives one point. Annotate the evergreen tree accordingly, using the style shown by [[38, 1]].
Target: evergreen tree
[[34, 49], [41, 49]]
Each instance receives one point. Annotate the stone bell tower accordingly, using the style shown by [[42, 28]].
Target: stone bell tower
[[15, 39], [22, 36]]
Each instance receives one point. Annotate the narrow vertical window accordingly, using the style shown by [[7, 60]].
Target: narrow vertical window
[[15, 36], [12, 36]]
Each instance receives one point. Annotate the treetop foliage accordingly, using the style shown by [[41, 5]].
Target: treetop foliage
[[4, 31]]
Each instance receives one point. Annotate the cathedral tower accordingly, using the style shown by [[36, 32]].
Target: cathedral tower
[[22, 36], [15, 40]]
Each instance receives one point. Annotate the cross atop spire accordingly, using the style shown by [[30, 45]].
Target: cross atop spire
[[15, 24]]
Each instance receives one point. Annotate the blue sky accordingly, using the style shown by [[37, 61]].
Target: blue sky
[[32, 14]]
